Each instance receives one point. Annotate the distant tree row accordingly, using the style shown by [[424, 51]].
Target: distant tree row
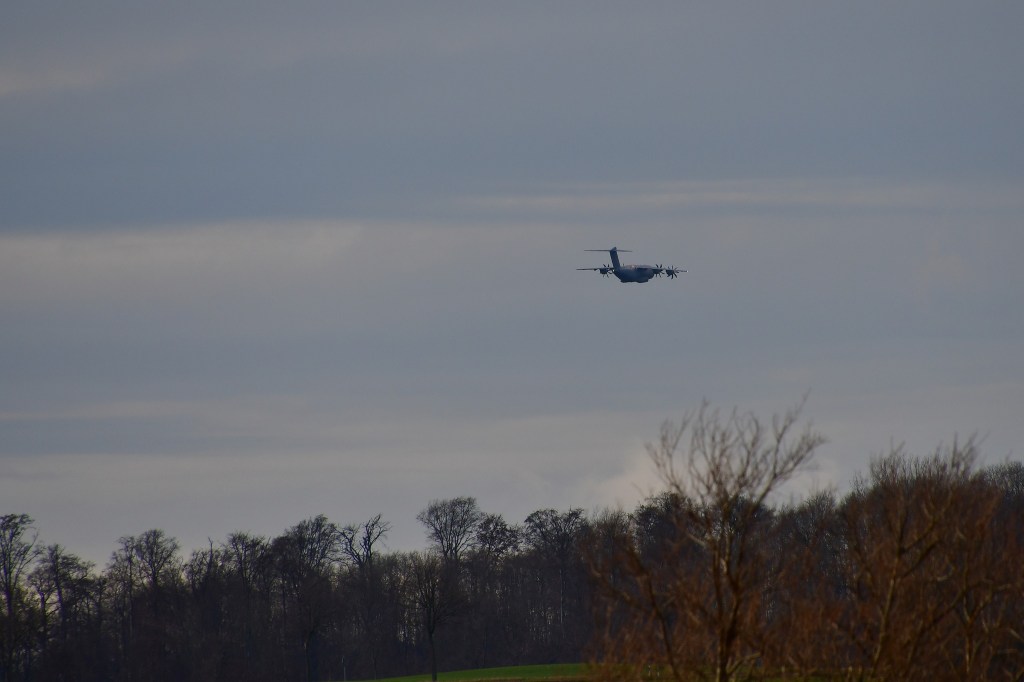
[[320, 601], [915, 573]]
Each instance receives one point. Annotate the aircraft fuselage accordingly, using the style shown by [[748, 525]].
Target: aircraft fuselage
[[635, 273]]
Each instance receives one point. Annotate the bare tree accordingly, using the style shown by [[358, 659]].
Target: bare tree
[[307, 555], [451, 525], [692, 605], [431, 595], [357, 544], [927, 569], [17, 552], [249, 567], [66, 589], [983, 555], [490, 625], [159, 560], [555, 540], [311, 547], [122, 586], [357, 541], [495, 538], [245, 555], [145, 577], [804, 600]]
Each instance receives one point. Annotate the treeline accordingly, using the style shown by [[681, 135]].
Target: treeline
[[916, 572], [319, 602]]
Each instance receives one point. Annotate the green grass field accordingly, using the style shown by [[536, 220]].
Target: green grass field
[[559, 672]]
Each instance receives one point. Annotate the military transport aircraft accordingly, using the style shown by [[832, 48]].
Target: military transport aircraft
[[632, 273]]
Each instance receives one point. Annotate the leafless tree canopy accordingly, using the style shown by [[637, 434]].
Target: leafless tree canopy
[[914, 575], [689, 598], [451, 525]]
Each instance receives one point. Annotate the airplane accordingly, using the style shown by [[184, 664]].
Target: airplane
[[632, 273]]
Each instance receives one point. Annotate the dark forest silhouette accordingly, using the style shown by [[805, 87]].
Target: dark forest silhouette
[[915, 573]]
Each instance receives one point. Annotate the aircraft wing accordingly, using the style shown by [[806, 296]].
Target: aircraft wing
[[603, 270]]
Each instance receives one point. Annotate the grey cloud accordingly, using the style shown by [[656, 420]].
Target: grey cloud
[[353, 111], [262, 262]]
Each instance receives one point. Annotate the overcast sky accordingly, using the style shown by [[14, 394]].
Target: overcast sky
[[263, 262]]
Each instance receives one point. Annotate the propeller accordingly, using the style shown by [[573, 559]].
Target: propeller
[[673, 272], [605, 269], [658, 269]]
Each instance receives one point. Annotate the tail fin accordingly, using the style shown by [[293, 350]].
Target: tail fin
[[614, 253]]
